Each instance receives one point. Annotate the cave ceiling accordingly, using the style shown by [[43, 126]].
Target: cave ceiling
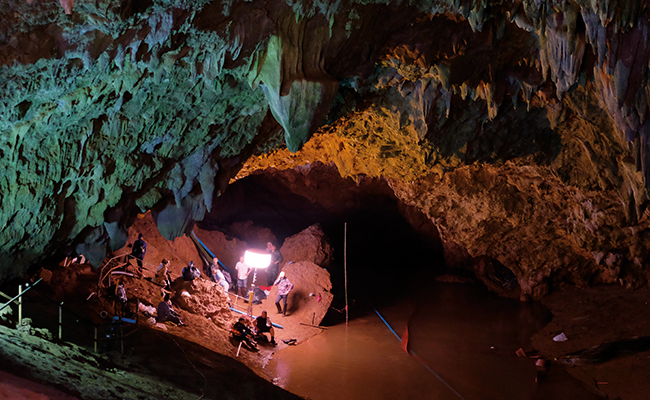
[[519, 128]]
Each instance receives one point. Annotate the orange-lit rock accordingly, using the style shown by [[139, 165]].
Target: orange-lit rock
[[309, 245], [67, 5]]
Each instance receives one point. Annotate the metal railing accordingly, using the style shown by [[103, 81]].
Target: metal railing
[[19, 297], [115, 263], [112, 265], [118, 321]]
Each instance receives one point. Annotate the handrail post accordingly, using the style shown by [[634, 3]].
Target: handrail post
[[95, 341], [16, 297], [345, 269], [20, 306], [60, 320]]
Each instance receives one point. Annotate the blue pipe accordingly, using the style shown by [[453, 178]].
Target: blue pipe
[[272, 323], [389, 327], [129, 320], [209, 252], [419, 359]]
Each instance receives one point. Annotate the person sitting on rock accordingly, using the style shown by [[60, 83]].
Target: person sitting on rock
[[284, 287], [263, 324], [190, 272], [242, 333], [219, 277], [166, 312]]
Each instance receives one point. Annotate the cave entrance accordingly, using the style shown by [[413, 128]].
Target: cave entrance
[[386, 256], [394, 255]]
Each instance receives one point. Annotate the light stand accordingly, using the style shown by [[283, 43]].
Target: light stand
[[255, 259]]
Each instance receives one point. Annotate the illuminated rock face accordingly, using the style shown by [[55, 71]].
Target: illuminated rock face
[[520, 129]]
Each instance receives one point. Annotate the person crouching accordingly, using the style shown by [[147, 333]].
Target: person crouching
[[243, 333], [263, 324]]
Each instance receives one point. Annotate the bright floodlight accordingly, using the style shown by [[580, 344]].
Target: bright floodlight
[[257, 260]]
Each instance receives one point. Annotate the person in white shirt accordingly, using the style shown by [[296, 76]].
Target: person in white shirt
[[243, 271]]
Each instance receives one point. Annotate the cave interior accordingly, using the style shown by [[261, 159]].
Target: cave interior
[[501, 142]]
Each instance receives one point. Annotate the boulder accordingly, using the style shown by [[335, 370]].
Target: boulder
[[309, 245], [310, 298], [205, 298], [498, 278]]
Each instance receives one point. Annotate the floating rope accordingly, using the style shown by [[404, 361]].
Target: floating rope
[[415, 355], [205, 380]]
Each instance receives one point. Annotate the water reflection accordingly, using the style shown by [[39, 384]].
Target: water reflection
[[464, 340], [363, 361]]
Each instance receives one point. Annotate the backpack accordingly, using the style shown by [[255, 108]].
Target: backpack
[[227, 276], [190, 273]]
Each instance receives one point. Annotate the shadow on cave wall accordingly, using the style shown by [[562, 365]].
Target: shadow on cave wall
[[515, 133], [390, 246]]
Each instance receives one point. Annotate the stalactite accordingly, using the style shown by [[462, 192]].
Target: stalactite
[[622, 75], [298, 91], [562, 50], [643, 151], [486, 92]]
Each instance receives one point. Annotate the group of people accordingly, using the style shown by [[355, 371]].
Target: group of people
[[244, 331], [273, 278], [216, 274]]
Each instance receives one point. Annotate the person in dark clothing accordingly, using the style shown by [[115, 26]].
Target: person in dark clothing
[[242, 332], [166, 312], [263, 324], [138, 251], [190, 272], [276, 260]]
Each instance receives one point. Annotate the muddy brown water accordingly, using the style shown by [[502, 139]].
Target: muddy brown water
[[461, 345]]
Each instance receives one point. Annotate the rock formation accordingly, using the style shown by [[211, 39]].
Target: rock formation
[[519, 128], [205, 298], [309, 245], [311, 293]]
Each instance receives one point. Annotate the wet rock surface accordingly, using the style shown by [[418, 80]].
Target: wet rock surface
[[600, 317], [161, 365]]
